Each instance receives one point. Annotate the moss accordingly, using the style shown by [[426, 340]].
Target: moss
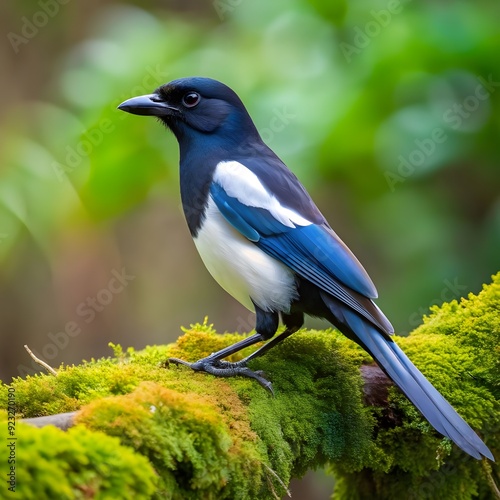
[[207, 437], [313, 423], [187, 439], [77, 464], [234, 429], [212, 437], [457, 349]]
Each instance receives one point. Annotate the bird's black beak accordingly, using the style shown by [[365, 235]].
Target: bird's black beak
[[147, 105]]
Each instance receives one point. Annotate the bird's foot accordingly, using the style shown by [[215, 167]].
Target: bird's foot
[[221, 368]]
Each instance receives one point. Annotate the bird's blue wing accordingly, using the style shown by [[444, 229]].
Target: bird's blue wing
[[313, 251]]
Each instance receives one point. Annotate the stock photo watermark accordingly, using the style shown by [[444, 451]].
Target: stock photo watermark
[[11, 439], [451, 290], [454, 118], [281, 118], [32, 25], [225, 7], [74, 155], [87, 311], [363, 36]]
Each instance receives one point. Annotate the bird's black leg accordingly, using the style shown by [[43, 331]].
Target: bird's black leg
[[292, 321], [266, 326]]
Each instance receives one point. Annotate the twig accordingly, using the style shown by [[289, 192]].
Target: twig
[[279, 480], [491, 480], [40, 362]]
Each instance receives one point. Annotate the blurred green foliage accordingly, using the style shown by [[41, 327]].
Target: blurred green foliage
[[388, 111]]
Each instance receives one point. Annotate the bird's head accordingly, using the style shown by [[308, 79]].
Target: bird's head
[[195, 107]]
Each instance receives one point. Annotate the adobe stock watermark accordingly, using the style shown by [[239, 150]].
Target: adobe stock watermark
[[32, 25], [225, 7], [86, 311], [246, 325], [454, 117], [74, 155], [363, 36], [11, 439], [451, 290], [280, 119]]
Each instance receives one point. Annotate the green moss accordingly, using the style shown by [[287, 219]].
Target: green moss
[[237, 431], [186, 437], [457, 349], [77, 464], [207, 437], [311, 422], [212, 437]]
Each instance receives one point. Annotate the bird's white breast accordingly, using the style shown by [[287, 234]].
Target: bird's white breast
[[240, 267]]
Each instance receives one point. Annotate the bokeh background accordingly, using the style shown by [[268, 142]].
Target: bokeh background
[[388, 111]]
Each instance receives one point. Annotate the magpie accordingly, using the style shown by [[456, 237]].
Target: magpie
[[265, 242]]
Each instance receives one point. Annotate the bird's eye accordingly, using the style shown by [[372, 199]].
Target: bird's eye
[[191, 99]]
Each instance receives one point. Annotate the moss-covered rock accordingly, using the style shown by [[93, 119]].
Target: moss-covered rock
[[207, 437]]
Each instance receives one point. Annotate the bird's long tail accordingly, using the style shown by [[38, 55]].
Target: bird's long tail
[[410, 380]]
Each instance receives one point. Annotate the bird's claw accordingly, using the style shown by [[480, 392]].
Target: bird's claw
[[221, 368], [177, 361]]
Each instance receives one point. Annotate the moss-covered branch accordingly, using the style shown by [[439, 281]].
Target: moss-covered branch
[[145, 430]]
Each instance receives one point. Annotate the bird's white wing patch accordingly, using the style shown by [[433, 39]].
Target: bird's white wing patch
[[241, 183]]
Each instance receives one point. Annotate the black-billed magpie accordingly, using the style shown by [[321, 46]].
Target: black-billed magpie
[[266, 243]]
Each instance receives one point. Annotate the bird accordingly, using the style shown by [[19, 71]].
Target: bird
[[264, 240]]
